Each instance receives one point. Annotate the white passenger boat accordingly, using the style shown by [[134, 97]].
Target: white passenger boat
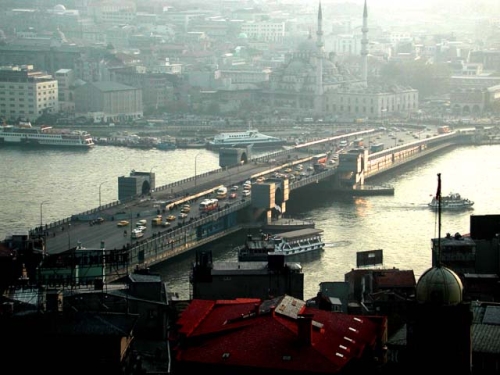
[[27, 135], [287, 244], [452, 201], [242, 139]]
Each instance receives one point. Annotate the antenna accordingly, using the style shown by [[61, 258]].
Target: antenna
[[438, 197]]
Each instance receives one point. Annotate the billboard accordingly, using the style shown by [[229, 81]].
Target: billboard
[[369, 258]]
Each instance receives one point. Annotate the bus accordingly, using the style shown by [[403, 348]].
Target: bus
[[320, 158], [358, 142], [444, 129], [376, 147], [208, 205]]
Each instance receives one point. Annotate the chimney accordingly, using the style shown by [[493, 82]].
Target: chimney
[[304, 325], [256, 308]]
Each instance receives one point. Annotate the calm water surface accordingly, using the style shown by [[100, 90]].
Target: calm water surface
[[401, 225]]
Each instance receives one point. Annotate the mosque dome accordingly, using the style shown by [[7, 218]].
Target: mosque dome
[[242, 36], [439, 285], [296, 66], [60, 7]]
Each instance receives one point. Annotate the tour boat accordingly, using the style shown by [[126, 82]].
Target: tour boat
[[27, 135], [287, 243], [242, 139], [452, 201]]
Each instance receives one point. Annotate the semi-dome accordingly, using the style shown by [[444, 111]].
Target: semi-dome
[[439, 285]]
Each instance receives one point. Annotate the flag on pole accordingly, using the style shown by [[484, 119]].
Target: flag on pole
[[438, 192]]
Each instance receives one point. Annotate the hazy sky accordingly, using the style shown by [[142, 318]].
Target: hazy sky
[[484, 5]]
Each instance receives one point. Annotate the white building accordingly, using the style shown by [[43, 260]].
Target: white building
[[26, 93], [264, 31]]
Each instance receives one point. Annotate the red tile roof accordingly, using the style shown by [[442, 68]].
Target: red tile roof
[[396, 279], [233, 334]]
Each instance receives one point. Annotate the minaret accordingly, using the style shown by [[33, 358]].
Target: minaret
[[318, 103], [364, 47]]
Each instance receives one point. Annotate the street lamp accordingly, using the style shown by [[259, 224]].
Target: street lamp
[[150, 177], [100, 192], [195, 174], [41, 213], [69, 236]]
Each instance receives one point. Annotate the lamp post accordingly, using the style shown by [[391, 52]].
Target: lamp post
[[100, 192], [150, 177], [69, 236], [41, 213], [195, 174]]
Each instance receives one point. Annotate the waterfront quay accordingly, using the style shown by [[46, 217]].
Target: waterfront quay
[[97, 228]]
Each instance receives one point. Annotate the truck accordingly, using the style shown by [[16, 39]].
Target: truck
[[319, 162]]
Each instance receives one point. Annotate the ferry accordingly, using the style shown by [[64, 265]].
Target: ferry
[[242, 139], [287, 244], [452, 201], [27, 135]]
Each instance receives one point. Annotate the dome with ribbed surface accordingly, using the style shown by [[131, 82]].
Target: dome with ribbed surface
[[439, 285]]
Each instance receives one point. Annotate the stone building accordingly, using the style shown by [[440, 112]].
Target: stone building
[[108, 102]]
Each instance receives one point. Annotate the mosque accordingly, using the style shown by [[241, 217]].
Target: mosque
[[311, 84]]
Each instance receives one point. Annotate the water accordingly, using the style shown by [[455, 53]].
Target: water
[[401, 225]]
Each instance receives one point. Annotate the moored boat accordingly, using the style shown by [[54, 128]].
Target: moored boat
[[287, 244], [165, 143], [27, 135], [242, 139], [452, 201]]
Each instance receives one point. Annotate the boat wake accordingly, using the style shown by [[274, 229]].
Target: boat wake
[[338, 244]]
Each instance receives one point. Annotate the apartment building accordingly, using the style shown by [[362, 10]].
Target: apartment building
[[265, 31], [27, 93]]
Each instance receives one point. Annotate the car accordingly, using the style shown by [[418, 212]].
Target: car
[[186, 208], [234, 188], [141, 222], [99, 220], [232, 195], [183, 215], [141, 228], [122, 223], [246, 193], [137, 234], [170, 218], [165, 224]]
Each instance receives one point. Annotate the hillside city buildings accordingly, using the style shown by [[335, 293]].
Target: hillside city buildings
[[248, 60]]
